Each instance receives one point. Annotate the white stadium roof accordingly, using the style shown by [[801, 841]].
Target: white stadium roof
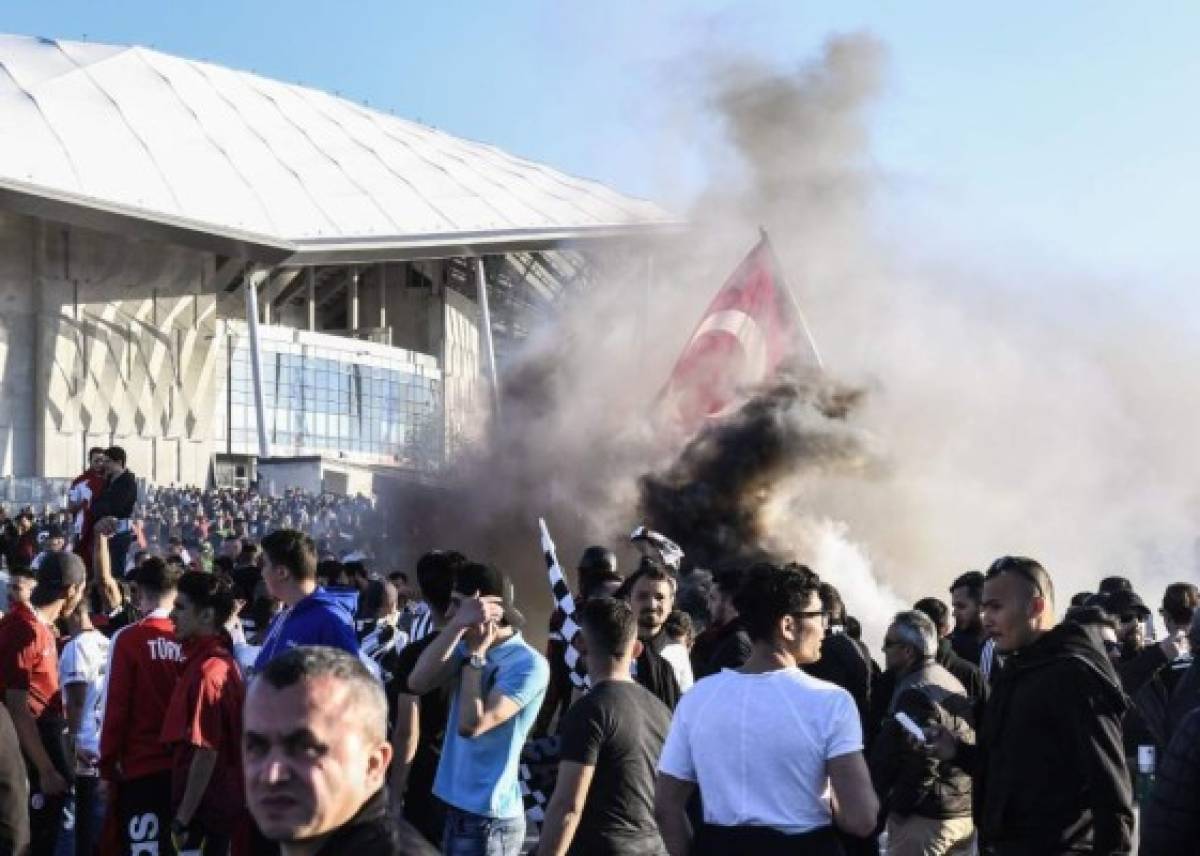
[[136, 140]]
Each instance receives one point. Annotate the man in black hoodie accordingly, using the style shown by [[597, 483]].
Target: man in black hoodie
[[1048, 766], [725, 644]]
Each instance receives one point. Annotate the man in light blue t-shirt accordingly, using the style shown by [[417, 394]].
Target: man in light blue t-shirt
[[498, 684]]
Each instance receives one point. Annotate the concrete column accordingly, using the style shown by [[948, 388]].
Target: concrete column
[[253, 279], [266, 304], [41, 358], [352, 301], [485, 324], [310, 279], [383, 296]]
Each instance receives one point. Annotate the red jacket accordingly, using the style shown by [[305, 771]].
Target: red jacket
[[206, 712], [29, 661], [143, 666]]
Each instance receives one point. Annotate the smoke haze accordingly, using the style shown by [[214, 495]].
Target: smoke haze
[[1044, 417]]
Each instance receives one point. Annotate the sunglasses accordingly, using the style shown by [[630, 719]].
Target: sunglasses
[[812, 613]]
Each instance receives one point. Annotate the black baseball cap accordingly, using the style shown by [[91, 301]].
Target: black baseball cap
[[489, 581], [57, 573]]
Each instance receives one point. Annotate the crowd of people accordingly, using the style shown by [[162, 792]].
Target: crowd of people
[[285, 691]]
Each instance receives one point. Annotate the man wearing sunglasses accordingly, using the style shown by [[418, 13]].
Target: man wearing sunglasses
[[1048, 765]]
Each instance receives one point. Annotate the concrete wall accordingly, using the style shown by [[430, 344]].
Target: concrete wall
[[18, 447], [104, 340]]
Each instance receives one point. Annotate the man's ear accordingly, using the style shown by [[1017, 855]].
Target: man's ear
[[377, 762], [787, 626]]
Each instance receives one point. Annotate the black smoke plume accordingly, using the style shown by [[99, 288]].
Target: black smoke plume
[[712, 499]]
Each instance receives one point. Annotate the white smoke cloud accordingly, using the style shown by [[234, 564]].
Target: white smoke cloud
[[1042, 416]]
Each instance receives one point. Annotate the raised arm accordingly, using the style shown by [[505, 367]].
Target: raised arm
[[106, 584]]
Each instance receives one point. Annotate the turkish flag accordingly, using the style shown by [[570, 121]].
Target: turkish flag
[[749, 329]]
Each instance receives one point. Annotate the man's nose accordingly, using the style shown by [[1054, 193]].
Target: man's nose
[[275, 771]]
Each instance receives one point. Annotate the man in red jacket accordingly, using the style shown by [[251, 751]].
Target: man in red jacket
[[142, 672], [29, 679], [203, 725], [84, 489]]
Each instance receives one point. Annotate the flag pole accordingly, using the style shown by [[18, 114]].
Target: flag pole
[[812, 343]]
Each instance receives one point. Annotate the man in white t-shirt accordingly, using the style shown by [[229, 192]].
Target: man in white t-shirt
[[776, 754], [82, 669]]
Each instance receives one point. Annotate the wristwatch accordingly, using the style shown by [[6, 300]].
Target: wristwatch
[[476, 661]]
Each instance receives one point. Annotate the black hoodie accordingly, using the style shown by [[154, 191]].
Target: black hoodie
[[1049, 767], [374, 832]]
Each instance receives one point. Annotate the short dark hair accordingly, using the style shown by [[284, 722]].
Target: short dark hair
[[648, 569], [157, 576], [679, 626], [770, 593], [375, 595], [1180, 601], [729, 581], [937, 611], [972, 581], [1028, 569], [93, 451], [294, 550], [207, 591], [331, 570], [309, 662], [610, 625], [115, 453], [853, 628], [435, 577], [832, 603]]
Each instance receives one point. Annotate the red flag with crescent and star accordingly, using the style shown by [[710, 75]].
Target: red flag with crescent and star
[[749, 330]]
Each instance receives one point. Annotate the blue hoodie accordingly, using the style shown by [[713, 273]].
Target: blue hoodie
[[325, 617]]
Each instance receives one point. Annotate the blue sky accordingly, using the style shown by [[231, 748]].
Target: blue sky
[[1056, 133]]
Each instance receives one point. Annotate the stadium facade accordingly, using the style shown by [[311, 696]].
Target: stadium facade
[[228, 275]]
